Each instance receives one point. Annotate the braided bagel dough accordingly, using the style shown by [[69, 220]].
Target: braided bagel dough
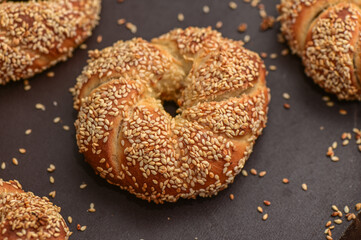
[[37, 34], [129, 139], [25, 216], [326, 34]]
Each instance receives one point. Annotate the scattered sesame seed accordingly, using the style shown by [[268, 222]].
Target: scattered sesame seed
[[330, 104], [66, 127], [83, 185], [40, 106], [52, 194], [273, 55], [342, 112], [28, 131], [83, 228], [346, 209], [70, 219], [206, 9], [15, 161], [328, 224], [285, 180], [334, 145], [121, 21], [3, 165], [345, 142], [131, 27], [83, 46], [91, 209], [262, 173], [264, 55], [22, 150], [358, 206], [51, 179], [285, 52], [56, 120], [260, 209], [219, 24], [286, 106], [232, 5], [272, 68], [265, 217], [231, 196], [180, 17], [322, 128], [267, 203], [247, 38], [99, 38], [242, 27], [27, 87], [326, 98], [335, 158], [50, 74], [286, 96], [334, 208], [253, 171], [244, 172], [338, 221], [304, 186], [51, 168]]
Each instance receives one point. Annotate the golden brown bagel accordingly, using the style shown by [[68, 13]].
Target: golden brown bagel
[[25, 216], [129, 139], [35, 35], [326, 34]]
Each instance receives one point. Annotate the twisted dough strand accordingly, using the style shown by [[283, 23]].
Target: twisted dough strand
[[35, 35], [326, 34], [129, 139]]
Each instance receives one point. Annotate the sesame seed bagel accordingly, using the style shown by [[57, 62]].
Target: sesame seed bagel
[[326, 34], [26, 216], [131, 141], [35, 35]]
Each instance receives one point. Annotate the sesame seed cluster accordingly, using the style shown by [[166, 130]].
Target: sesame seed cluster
[[26, 216], [35, 35], [131, 141], [326, 35]]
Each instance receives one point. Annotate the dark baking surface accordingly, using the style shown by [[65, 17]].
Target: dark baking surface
[[292, 146], [353, 232]]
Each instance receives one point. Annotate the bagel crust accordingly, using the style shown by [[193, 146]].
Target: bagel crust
[[26, 216], [131, 141], [326, 34], [35, 35]]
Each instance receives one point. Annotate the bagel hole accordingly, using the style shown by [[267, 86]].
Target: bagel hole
[[170, 107]]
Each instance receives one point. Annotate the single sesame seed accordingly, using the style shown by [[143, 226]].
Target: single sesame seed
[[326, 98], [262, 173], [286, 96], [247, 38], [260, 209], [285, 180], [99, 38], [231, 196], [121, 21], [345, 142], [180, 17], [83, 185], [338, 221], [70, 219], [232, 5], [358, 206], [335, 158], [253, 171], [244, 173], [334, 145], [342, 111], [272, 68], [28, 131], [83, 228], [273, 55], [266, 202], [328, 223], [304, 186], [131, 27], [40, 106], [56, 120], [287, 106], [22, 150], [206, 9], [66, 127], [265, 217], [285, 52], [50, 74], [346, 209], [334, 208], [51, 179], [330, 104], [83, 46], [3, 165], [242, 27], [219, 24], [15, 161]]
